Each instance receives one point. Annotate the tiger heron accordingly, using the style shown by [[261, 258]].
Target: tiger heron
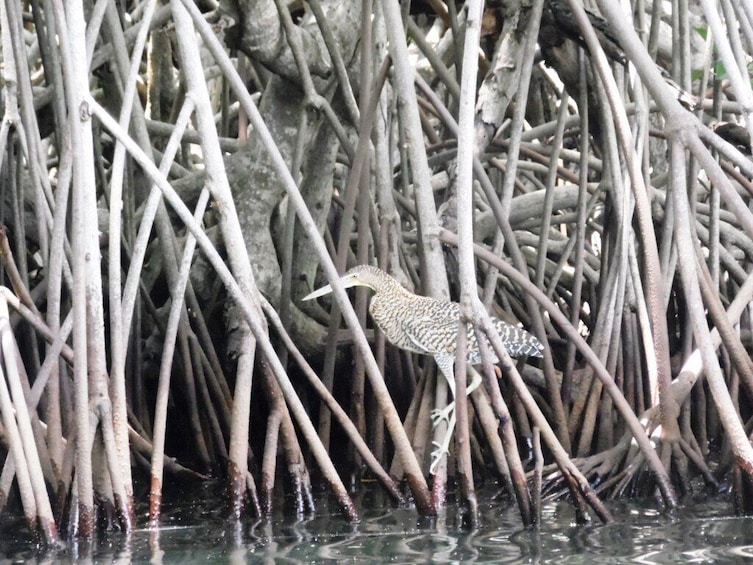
[[430, 326]]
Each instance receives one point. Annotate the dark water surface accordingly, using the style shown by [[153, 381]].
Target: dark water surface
[[197, 530]]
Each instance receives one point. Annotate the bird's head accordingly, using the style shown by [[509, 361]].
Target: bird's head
[[361, 275]]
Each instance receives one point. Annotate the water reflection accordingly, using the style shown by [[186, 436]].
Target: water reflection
[[701, 532]]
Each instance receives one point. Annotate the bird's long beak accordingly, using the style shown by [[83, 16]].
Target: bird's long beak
[[319, 292]]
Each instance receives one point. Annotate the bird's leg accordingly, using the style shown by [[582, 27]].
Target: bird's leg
[[475, 381], [442, 449], [438, 415], [445, 363], [448, 414]]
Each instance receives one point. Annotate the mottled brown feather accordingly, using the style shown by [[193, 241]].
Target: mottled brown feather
[[427, 325]]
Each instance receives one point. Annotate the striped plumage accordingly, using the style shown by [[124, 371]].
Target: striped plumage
[[429, 326], [423, 324]]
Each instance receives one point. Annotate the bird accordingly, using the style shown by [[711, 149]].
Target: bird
[[429, 326]]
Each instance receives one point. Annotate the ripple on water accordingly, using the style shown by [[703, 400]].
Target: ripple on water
[[196, 529]]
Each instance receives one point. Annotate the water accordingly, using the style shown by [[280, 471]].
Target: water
[[196, 530]]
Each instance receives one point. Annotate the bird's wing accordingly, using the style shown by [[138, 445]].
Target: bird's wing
[[431, 335], [415, 330]]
